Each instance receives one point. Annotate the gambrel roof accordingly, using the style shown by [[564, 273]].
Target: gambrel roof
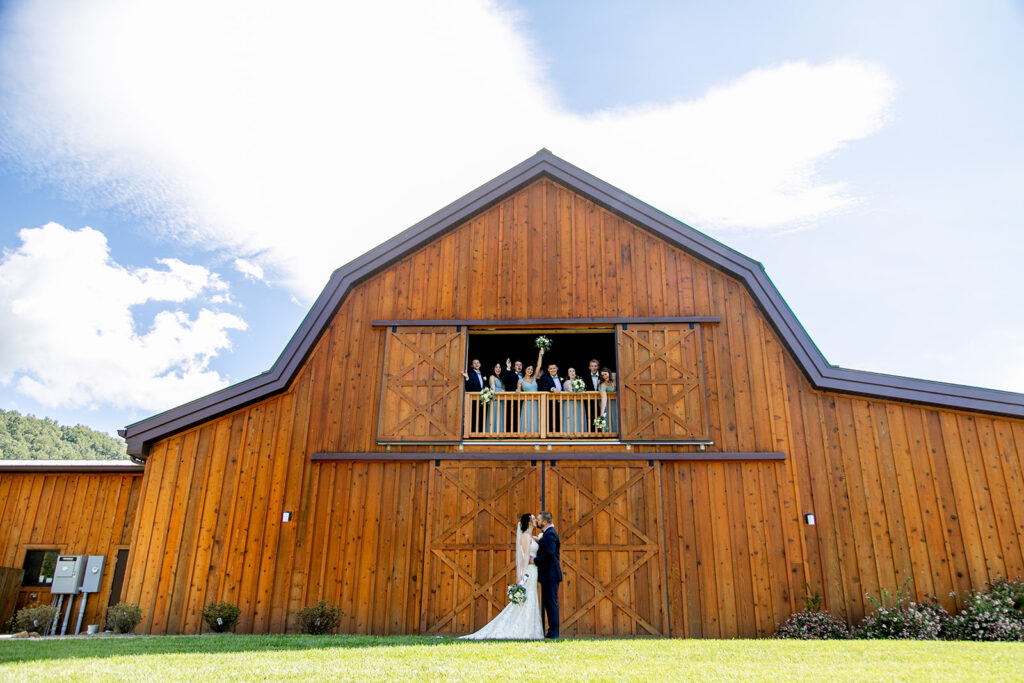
[[751, 273]]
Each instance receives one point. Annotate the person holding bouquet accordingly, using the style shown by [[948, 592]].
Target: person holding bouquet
[[529, 414], [573, 414]]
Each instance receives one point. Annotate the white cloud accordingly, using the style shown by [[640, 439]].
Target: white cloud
[[249, 269], [69, 335], [298, 136]]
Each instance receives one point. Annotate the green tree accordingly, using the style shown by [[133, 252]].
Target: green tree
[[26, 437]]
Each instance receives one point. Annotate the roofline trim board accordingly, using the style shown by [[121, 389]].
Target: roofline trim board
[[751, 273]]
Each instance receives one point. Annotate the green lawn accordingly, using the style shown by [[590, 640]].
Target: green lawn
[[419, 658]]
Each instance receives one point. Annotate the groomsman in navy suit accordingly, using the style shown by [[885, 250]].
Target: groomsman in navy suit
[[474, 381], [474, 378], [550, 381]]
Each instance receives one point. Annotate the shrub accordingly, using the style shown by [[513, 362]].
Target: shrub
[[221, 616], [320, 618], [36, 617], [812, 623], [124, 617], [995, 614], [902, 619]]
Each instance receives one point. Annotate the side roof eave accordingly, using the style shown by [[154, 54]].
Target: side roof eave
[[822, 375]]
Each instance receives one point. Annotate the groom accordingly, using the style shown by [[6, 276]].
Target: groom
[[549, 572]]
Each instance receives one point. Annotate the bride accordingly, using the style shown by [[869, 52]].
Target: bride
[[521, 622]]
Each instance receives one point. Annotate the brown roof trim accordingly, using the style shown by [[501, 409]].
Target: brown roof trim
[[544, 455], [545, 164], [54, 466], [548, 322]]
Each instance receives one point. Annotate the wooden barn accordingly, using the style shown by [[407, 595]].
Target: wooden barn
[[735, 468]]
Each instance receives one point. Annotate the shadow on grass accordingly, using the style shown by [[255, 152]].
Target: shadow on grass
[[76, 648]]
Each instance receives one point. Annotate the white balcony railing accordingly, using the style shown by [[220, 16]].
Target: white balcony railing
[[537, 415]]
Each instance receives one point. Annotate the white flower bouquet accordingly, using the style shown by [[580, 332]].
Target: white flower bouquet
[[486, 396], [578, 386], [600, 423], [516, 594], [543, 342]]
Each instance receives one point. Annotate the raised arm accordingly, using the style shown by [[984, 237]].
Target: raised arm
[[537, 367]]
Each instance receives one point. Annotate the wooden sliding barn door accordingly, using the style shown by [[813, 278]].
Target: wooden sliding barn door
[[609, 518], [472, 512], [421, 393], [661, 383]]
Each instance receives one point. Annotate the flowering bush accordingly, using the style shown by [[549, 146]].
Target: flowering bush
[[903, 619], [812, 623], [320, 618], [35, 618], [995, 614], [221, 616], [124, 617]]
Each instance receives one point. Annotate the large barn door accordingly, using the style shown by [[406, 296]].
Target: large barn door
[[421, 391], [472, 512], [661, 383], [608, 517]]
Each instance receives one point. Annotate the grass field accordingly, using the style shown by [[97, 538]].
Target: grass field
[[420, 658]]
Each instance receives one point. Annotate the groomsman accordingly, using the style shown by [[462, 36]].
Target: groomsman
[[595, 375], [550, 381], [510, 377], [474, 379]]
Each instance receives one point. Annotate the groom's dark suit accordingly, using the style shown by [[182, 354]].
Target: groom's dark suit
[[549, 573]]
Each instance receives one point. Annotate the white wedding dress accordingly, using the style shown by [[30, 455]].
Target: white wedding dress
[[519, 622]]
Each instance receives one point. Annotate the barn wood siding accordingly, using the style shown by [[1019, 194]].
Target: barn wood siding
[[76, 513], [899, 491]]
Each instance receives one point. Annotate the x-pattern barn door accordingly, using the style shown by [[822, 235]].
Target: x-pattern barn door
[[607, 514], [421, 395], [661, 385], [472, 512], [608, 517]]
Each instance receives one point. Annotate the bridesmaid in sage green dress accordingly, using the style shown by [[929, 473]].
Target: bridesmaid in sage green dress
[[496, 408], [608, 407], [529, 419]]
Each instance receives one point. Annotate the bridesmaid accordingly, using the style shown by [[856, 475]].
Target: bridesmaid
[[608, 408], [496, 408], [529, 421], [573, 416]]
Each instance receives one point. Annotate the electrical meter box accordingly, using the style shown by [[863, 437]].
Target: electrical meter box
[[67, 576], [93, 574]]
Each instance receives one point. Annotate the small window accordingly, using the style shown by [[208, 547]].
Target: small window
[[39, 567]]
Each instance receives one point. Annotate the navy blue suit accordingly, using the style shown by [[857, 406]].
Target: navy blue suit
[[549, 573], [475, 381]]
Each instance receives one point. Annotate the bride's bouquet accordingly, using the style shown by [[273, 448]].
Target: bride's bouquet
[[516, 594], [486, 396], [543, 343], [578, 386]]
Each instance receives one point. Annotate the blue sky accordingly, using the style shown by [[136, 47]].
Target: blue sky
[[226, 158]]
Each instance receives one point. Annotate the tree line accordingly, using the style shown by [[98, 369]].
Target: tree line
[[26, 437]]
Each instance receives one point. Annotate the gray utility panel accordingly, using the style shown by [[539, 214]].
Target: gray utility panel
[[93, 574], [67, 575]]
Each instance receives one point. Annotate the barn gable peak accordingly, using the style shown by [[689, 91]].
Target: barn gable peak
[[544, 164]]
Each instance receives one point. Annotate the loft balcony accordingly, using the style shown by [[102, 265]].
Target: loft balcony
[[540, 415]]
